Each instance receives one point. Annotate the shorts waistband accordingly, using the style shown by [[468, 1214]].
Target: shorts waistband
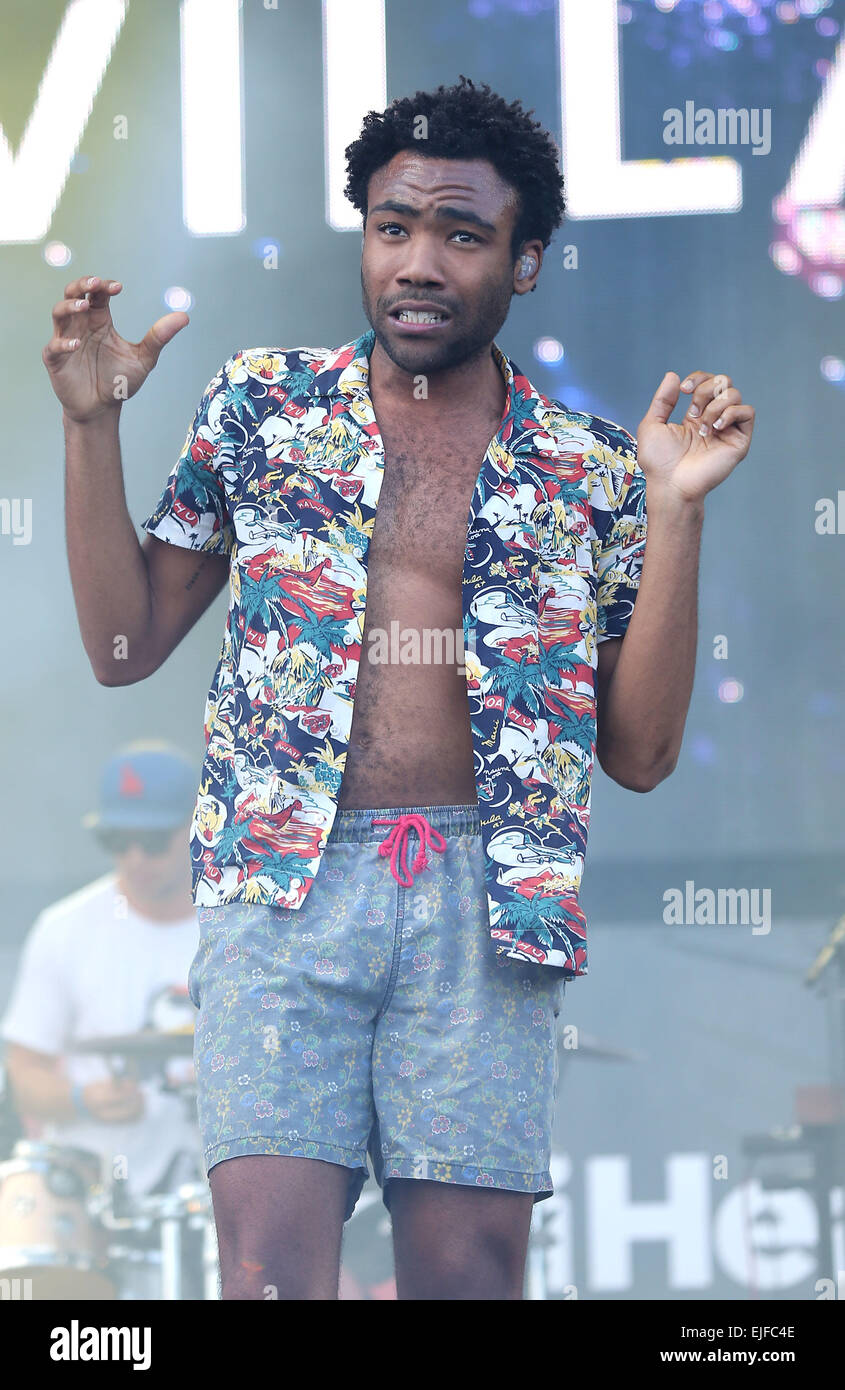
[[357, 825]]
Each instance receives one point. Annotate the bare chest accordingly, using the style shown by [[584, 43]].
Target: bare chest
[[426, 491]]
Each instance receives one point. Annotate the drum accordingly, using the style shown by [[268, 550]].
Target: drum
[[51, 1238]]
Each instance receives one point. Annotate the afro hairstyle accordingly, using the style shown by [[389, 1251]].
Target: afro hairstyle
[[467, 122]]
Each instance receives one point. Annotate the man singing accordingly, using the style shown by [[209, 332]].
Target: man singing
[[390, 830]]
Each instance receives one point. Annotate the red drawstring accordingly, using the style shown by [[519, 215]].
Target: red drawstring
[[395, 844]]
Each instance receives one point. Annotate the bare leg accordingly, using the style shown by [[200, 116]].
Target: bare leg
[[279, 1226], [456, 1242]]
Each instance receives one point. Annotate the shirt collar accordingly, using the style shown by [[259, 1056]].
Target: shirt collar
[[354, 360], [523, 426]]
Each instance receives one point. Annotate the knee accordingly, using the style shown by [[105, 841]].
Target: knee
[[487, 1268], [240, 1282], [276, 1283], [278, 1276]]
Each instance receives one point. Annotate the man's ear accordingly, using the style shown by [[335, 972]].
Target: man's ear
[[527, 267]]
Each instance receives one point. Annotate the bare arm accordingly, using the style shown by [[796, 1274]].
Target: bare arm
[[645, 680], [183, 583], [134, 602], [645, 686], [42, 1090]]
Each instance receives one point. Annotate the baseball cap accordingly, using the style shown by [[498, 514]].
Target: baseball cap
[[147, 785]]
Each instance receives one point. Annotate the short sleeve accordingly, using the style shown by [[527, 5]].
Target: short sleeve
[[619, 518], [40, 1012], [192, 510]]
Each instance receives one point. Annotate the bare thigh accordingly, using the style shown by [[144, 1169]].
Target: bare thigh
[[279, 1225], [456, 1242]]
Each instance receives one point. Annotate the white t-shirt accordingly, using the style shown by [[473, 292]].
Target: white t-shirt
[[91, 966]]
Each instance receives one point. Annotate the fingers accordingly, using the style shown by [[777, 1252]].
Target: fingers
[[704, 387], [68, 324], [81, 297], [90, 293], [160, 335], [119, 1098], [741, 415], [94, 285], [115, 1114], [715, 403], [716, 408], [665, 398], [59, 347]]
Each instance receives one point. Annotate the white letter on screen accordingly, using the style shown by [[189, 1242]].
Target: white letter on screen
[[599, 183], [354, 82], [212, 117], [818, 174], [31, 182]]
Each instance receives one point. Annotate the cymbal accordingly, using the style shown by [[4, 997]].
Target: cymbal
[[149, 1043]]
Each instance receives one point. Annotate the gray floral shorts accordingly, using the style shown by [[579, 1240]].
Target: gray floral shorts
[[378, 1017]]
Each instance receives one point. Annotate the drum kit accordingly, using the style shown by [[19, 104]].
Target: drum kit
[[69, 1229]]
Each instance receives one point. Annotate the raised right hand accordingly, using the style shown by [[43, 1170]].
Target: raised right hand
[[92, 369]]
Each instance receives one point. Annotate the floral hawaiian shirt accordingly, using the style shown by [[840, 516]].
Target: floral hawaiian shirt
[[281, 471]]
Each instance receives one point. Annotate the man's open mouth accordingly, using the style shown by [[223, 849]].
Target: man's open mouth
[[418, 316]]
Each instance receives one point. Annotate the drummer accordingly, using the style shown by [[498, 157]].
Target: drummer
[[113, 958]]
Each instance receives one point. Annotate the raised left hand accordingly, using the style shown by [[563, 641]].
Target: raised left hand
[[696, 455]]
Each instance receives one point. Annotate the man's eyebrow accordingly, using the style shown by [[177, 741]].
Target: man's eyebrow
[[453, 214]]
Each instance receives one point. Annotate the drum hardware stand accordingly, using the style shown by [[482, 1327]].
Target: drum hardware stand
[[816, 1144], [169, 1215]]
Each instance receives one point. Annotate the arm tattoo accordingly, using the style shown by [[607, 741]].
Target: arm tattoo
[[193, 579]]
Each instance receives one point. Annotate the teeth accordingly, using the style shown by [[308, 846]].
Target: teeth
[[419, 316]]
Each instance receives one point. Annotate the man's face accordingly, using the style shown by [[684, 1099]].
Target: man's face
[[438, 233], [152, 875]]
